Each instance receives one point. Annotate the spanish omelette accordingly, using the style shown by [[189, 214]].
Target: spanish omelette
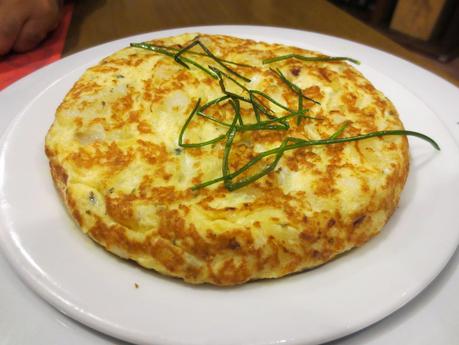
[[115, 157]]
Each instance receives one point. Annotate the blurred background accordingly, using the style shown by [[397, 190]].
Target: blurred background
[[425, 32], [430, 27]]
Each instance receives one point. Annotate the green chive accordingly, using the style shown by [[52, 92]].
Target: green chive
[[179, 59], [217, 60], [209, 104], [205, 55], [310, 58], [244, 182], [273, 122], [340, 130], [292, 86], [227, 150], [167, 53], [185, 126], [299, 143]]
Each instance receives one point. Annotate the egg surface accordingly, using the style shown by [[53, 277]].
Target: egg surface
[[211, 166]]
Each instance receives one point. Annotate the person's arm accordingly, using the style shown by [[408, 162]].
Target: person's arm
[[25, 23]]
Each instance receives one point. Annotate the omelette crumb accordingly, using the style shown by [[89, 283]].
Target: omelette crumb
[[92, 197], [178, 151]]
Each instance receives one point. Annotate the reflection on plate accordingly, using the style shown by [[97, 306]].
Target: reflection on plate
[[98, 289]]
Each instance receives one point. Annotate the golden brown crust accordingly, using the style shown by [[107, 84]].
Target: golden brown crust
[[114, 158]]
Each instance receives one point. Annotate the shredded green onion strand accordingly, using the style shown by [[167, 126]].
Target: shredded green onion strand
[[299, 143], [205, 55], [213, 102], [256, 104], [185, 126], [273, 122], [167, 53], [263, 172], [229, 143], [200, 111], [292, 86], [211, 55], [340, 130], [221, 73], [310, 58]]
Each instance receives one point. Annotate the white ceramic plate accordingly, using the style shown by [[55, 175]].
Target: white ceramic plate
[[96, 288]]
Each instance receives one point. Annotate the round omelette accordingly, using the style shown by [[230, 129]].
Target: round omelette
[[223, 163]]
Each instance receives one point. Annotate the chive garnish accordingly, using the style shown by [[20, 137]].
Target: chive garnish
[[185, 126], [213, 102], [244, 182], [152, 48], [310, 58], [254, 98], [209, 54], [201, 113], [229, 142], [237, 108], [272, 100], [205, 55], [222, 74], [256, 103], [167, 53], [299, 143], [182, 60], [292, 86], [340, 130]]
